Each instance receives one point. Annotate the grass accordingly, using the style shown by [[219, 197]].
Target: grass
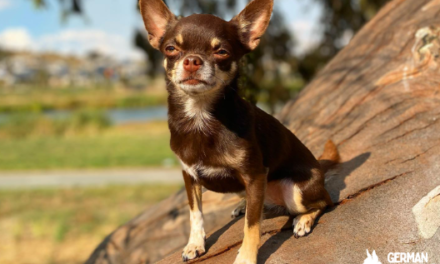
[[126, 146], [64, 226], [37, 99], [24, 125]]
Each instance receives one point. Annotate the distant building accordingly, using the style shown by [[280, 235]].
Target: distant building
[[63, 71]]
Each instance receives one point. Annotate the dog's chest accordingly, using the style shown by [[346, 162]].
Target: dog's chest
[[204, 141], [205, 156], [216, 179], [200, 170], [217, 146]]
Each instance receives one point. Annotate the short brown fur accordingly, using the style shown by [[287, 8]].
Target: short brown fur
[[225, 143]]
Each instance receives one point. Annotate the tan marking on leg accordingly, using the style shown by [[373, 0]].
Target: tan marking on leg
[[293, 198], [298, 200], [179, 39], [196, 243], [249, 249], [215, 42], [302, 224]]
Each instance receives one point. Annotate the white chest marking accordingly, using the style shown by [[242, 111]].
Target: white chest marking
[[197, 110], [206, 171]]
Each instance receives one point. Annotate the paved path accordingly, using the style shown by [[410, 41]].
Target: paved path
[[23, 180]]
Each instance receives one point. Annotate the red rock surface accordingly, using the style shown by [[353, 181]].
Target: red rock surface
[[379, 100]]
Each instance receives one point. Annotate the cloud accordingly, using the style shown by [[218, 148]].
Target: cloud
[[15, 39], [302, 26], [72, 42], [79, 42], [5, 4], [306, 33]]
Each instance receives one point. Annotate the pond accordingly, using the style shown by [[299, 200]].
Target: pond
[[116, 116], [122, 116]]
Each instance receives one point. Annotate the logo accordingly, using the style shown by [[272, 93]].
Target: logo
[[372, 259], [407, 257]]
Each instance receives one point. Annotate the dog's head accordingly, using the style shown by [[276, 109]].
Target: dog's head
[[202, 51]]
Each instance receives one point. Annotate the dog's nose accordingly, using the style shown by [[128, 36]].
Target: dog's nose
[[192, 63]]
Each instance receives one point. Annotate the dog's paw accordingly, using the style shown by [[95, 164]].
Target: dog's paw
[[192, 251], [240, 210], [241, 260], [245, 257], [302, 225]]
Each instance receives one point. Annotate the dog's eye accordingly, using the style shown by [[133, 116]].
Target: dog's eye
[[222, 53], [170, 50]]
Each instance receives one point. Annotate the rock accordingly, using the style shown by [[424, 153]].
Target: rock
[[427, 214], [161, 230], [379, 100]]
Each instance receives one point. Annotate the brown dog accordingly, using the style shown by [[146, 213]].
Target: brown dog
[[224, 143]]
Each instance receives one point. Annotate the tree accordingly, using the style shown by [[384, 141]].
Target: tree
[[339, 19], [277, 46], [379, 100]]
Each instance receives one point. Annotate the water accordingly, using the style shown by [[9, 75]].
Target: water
[[116, 116], [121, 116], [124, 116]]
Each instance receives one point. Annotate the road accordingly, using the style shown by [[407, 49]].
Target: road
[[60, 179]]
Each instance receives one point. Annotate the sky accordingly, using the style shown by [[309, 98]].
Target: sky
[[109, 25]]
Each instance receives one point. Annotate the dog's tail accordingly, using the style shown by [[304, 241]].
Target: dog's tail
[[330, 157]]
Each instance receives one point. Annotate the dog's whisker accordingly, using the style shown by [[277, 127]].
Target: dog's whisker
[[223, 142]]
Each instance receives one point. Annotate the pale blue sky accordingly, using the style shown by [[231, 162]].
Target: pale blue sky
[[109, 26]]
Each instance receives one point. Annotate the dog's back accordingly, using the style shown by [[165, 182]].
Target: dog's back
[[224, 143]]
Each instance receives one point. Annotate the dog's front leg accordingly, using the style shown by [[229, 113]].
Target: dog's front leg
[[196, 244], [255, 192]]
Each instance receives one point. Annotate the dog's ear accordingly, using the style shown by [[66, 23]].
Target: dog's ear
[[253, 21], [156, 17]]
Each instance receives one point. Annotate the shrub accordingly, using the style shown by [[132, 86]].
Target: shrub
[[23, 125]]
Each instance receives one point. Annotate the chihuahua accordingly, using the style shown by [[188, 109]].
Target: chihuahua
[[224, 143]]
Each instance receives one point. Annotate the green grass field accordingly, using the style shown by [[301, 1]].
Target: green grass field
[[128, 146], [37, 99], [106, 151], [64, 226]]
